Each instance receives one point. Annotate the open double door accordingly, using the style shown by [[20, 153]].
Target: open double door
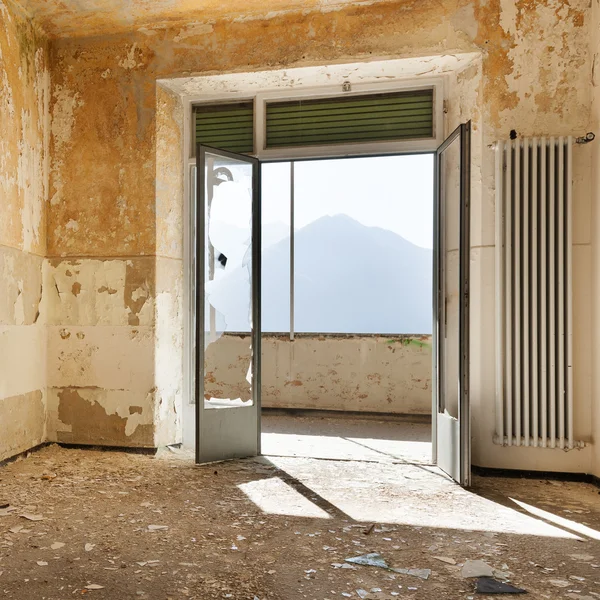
[[227, 298], [451, 422]]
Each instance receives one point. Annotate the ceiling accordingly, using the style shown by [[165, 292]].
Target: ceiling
[[78, 18]]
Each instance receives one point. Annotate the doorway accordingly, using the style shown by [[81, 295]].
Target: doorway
[[316, 285], [346, 307]]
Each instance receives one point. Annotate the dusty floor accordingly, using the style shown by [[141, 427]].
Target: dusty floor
[[281, 527]]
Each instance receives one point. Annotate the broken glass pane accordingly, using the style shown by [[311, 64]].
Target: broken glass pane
[[228, 283]]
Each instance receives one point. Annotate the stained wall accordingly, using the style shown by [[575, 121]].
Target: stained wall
[[24, 99], [115, 324], [328, 372], [106, 191]]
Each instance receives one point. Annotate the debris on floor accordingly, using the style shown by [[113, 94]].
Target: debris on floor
[[476, 568], [421, 573], [561, 583], [31, 517], [488, 585], [375, 559], [445, 559], [114, 525], [369, 530]]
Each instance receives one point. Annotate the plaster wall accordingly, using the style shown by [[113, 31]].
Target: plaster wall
[[464, 94], [534, 77], [168, 321], [346, 373], [115, 325], [24, 98], [100, 350]]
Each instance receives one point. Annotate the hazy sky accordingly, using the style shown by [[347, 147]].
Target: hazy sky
[[391, 192]]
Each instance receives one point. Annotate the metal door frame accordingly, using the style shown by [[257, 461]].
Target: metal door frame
[[463, 131], [199, 308]]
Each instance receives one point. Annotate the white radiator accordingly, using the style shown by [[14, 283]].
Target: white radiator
[[534, 330]]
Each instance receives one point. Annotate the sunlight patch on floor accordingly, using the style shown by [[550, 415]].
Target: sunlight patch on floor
[[275, 497], [583, 530], [408, 495]]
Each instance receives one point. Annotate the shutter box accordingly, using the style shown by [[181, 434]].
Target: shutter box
[[353, 119]]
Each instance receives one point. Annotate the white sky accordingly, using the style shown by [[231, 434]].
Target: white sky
[[391, 192]]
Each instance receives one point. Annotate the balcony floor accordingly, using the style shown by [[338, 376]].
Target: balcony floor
[[335, 436]]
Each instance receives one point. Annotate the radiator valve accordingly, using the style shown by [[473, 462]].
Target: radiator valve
[[586, 139]]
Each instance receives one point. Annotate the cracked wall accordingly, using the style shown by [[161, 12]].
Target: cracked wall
[[110, 180], [24, 98]]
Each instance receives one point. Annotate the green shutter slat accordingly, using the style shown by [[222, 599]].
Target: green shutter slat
[[344, 115], [392, 119], [365, 121], [347, 109], [365, 133], [398, 98], [380, 117], [216, 127], [224, 120], [229, 135], [347, 138], [224, 114], [226, 126]]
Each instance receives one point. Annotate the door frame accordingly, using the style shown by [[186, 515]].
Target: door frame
[[463, 133], [317, 80], [199, 280]]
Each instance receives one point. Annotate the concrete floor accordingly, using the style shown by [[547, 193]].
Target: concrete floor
[[332, 436], [115, 526]]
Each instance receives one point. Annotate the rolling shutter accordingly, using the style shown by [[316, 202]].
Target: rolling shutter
[[226, 126], [369, 118]]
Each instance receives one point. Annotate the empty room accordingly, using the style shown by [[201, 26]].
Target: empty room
[[298, 299]]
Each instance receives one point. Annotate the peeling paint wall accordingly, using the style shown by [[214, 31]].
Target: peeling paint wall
[[100, 350], [24, 99], [345, 373], [110, 180], [73, 18], [168, 373], [169, 268], [463, 93], [115, 328]]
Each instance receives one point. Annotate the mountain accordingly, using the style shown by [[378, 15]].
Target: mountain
[[349, 278], [274, 232]]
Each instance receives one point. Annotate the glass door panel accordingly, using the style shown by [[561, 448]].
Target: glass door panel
[[227, 305], [451, 422]]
